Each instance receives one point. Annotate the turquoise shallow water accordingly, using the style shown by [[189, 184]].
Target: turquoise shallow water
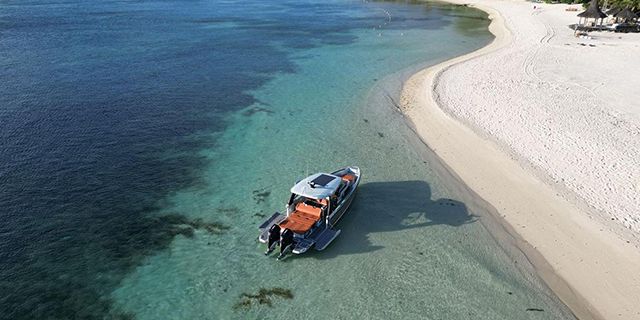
[[144, 141], [408, 249]]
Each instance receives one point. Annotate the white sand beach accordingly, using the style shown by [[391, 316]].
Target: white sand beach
[[546, 128]]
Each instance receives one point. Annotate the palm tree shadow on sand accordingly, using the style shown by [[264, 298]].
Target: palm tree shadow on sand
[[388, 207]]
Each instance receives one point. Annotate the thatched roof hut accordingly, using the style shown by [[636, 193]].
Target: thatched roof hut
[[593, 11], [626, 14], [613, 11]]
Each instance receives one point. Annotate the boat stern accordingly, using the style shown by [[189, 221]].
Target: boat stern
[[267, 224]]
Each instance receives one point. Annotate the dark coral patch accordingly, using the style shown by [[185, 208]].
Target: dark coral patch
[[260, 195], [263, 297]]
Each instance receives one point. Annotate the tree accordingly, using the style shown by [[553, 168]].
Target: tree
[[621, 4]]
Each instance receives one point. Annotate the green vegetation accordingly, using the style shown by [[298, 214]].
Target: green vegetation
[[583, 2], [632, 4]]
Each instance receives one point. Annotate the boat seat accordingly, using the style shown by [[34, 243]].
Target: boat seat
[[298, 222], [304, 216], [309, 210], [349, 177]]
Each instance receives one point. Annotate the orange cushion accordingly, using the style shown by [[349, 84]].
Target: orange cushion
[[309, 210], [298, 222], [349, 177]]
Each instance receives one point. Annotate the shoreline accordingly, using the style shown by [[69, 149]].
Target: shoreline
[[589, 268]]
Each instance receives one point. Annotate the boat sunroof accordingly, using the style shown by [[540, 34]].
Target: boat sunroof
[[322, 180], [317, 186]]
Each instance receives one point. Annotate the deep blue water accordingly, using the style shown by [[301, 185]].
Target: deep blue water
[[104, 106]]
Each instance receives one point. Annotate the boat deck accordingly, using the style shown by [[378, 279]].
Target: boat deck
[[303, 218]]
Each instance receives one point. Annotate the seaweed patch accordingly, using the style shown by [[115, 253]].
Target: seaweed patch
[[253, 110], [229, 211], [179, 224], [264, 296], [260, 196]]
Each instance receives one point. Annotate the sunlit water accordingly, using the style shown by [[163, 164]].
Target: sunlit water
[[144, 141]]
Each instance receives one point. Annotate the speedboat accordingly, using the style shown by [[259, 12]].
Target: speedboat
[[316, 205]]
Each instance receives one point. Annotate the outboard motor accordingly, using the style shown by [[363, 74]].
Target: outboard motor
[[274, 238], [286, 242]]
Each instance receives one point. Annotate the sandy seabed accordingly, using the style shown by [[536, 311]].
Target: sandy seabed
[[546, 128]]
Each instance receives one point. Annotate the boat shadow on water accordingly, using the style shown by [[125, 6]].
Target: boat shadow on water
[[389, 207]]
